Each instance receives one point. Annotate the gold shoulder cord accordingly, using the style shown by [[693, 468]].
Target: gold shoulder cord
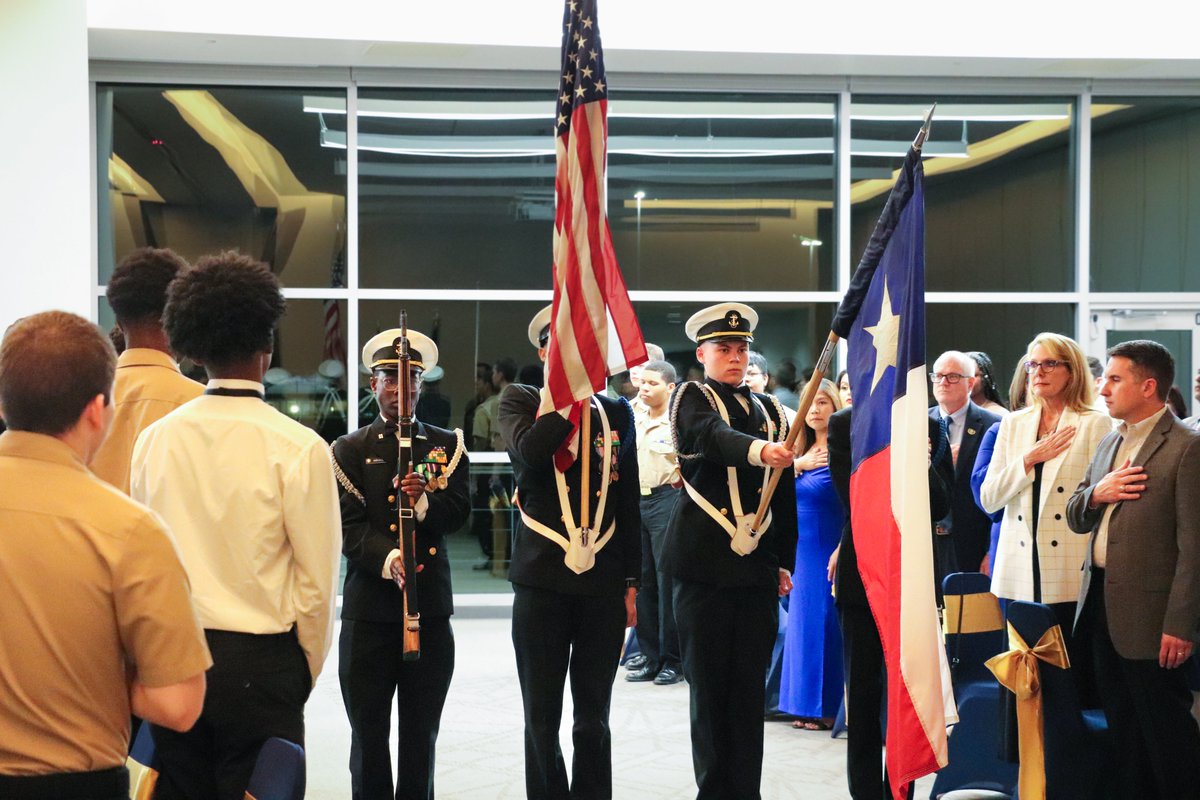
[[783, 420], [343, 480], [704, 390], [459, 449]]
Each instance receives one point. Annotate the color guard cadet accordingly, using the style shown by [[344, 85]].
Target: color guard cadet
[[371, 666], [574, 589], [728, 577]]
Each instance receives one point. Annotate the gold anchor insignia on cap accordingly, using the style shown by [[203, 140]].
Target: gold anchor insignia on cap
[[734, 319]]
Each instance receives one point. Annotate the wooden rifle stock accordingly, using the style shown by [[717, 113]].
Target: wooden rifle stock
[[408, 520], [797, 431]]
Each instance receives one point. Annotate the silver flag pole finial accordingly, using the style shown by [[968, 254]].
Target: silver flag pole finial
[[923, 134]]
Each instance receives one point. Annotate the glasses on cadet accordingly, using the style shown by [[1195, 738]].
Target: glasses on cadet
[[950, 378], [391, 381], [1049, 365]]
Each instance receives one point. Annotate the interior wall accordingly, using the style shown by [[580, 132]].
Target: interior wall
[[45, 206], [1146, 206]]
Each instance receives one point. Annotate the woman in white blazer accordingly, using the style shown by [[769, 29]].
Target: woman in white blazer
[[1041, 454]]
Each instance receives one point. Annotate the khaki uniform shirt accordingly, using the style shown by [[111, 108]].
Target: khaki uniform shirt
[[148, 386], [655, 450], [92, 593]]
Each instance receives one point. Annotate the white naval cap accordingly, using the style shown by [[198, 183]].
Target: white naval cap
[[380, 351], [539, 327], [722, 321]]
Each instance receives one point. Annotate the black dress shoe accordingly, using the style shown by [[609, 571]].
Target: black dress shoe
[[667, 677], [645, 673], [635, 662]]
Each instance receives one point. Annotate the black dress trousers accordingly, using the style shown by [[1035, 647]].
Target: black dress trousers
[[726, 636], [1148, 708], [556, 634], [373, 672], [257, 687], [657, 634]]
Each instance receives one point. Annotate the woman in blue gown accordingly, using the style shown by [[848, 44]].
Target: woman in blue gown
[[811, 688]]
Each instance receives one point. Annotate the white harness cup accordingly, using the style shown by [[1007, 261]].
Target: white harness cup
[[744, 540], [580, 557]]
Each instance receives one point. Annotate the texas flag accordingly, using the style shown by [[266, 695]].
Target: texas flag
[[884, 315]]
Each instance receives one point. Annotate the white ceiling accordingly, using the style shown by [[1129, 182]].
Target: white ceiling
[[1025, 39]]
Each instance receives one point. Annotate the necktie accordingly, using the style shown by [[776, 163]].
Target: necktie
[[1117, 453], [943, 441]]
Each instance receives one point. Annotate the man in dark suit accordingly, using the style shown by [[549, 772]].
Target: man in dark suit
[[728, 578], [1139, 601], [862, 649], [963, 535], [371, 667], [574, 588]]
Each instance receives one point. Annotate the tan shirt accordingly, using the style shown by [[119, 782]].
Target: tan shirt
[[148, 386], [250, 498], [1132, 439], [89, 582], [655, 450]]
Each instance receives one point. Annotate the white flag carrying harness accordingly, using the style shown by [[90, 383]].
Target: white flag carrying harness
[[581, 548], [742, 540]]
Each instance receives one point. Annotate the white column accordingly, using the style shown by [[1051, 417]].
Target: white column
[[46, 197]]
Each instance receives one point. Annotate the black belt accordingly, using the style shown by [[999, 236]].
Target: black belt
[[104, 783], [657, 490]]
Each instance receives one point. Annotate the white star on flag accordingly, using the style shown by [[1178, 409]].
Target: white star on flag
[[886, 335]]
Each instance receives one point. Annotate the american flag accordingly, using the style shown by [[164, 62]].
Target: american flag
[[335, 346], [594, 331]]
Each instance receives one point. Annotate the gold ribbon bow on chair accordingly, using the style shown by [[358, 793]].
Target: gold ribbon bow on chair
[[1019, 672]]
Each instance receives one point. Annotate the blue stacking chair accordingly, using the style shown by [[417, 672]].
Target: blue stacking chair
[[1077, 742], [278, 773], [143, 769], [974, 631]]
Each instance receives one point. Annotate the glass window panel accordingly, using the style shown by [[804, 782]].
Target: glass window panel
[[1145, 194], [456, 189], [201, 170], [998, 192], [1001, 330], [307, 379]]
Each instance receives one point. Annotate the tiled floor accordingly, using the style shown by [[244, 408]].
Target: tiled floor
[[480, 754]]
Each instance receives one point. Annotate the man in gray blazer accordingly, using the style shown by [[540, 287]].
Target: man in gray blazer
[[1139, 602]]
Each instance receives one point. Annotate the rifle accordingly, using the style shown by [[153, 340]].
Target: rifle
[[408, 520]]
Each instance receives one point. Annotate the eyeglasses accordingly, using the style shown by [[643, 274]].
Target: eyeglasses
[[950, 378], [391, 381], [1049, 365]]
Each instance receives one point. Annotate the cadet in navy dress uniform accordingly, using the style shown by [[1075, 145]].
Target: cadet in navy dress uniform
[[370, 667], [574, 594], [727, 578]]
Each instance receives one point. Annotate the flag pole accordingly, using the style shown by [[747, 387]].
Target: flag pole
[[585, 452], [819, 371]]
